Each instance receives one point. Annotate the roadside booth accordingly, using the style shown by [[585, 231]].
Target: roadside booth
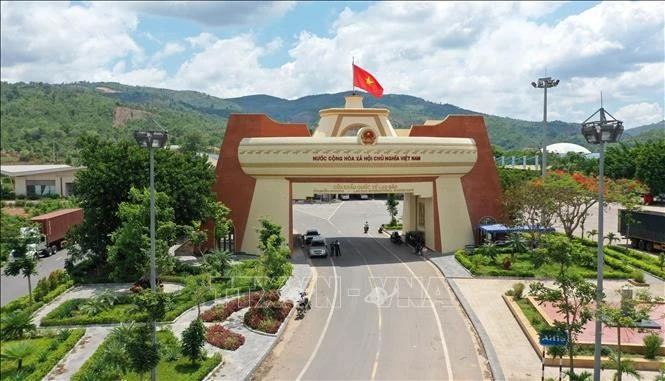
[[499, 233]]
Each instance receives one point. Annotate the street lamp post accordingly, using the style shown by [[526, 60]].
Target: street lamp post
[[600, 132], [545, 83], [150, 140]]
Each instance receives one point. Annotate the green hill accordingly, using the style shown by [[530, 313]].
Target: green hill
[[41, 122]]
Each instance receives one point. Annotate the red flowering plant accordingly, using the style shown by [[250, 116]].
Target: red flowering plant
[[221, 312], [268, 316], [224, 338]]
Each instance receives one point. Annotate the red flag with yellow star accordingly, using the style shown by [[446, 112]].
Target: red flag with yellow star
[[366, 81]]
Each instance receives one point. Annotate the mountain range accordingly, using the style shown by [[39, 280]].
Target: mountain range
[[40, 122]]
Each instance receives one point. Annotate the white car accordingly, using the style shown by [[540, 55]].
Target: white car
[[318, 247], [309, 234], [344, 196]]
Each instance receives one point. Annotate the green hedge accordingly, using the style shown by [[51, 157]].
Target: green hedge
[[463, 259], [642, 261], [63, 315], [23, 303]]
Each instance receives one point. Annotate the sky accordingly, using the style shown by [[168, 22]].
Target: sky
[[480, 56]]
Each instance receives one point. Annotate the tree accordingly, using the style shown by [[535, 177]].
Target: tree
[[197, 237], [592, 234], [218, 261], [517, 243], [611, 237], [573, 196], [25, 265], [531, 204], [223, 224], [621, 365], [625, 316], [112, 169], [16, 324], [143, 356], [571, 297], [192, 340], [274, 265], [391, 206], [16, 352], [129, 253], [198, 287], [489, 250], [649, 165]]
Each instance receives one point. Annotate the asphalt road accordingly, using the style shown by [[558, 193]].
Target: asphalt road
[[378, 311], [13, 287]]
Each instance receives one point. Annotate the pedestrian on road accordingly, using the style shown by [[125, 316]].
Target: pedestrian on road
[[337, 251]]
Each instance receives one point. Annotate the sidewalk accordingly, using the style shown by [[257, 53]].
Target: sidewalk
[[510, 355]]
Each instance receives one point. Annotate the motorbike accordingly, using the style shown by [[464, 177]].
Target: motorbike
[[396, 238], [303, 305], [380, 229]]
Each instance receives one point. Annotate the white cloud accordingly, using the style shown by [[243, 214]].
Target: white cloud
[[59, 42], [639, 114], [171, 48], [211, 12], [477, 55]]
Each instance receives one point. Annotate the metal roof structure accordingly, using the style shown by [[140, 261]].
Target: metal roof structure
[[27, 170]]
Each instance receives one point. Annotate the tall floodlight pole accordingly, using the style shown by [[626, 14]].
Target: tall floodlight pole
[[600, 132], [152, 140], [544, 83]]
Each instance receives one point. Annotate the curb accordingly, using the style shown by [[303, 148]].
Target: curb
[[62, 360], [492, 358]]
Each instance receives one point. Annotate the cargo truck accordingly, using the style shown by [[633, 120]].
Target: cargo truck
[[645, 229], [53, 227]]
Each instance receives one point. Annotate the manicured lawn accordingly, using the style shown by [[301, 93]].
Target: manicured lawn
[[68, 314], [181, 369], [535, 318], [45, 353], [522, 266]]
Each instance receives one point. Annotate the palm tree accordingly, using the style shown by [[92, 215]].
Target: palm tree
[[16, 352], [592, 233], [517, 244], [16, 324], [26, 266], [584, 376], [611, 237], [621, 365]]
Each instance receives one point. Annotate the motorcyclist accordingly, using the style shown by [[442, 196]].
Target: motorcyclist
[[381, 229], [366, 227]]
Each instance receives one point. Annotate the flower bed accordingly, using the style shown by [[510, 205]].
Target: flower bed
[[224, 338], [220, 312], [268, 316]]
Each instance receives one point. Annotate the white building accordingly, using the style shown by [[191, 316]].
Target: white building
[[41, 180]]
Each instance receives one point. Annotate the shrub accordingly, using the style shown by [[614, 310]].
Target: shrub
[[224, 338], [268, 316], [222, 312], [638, 276], [518, 291], [652, 343]]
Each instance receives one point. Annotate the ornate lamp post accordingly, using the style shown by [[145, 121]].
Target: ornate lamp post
[[545, 83], [150, 140], [600, 132]]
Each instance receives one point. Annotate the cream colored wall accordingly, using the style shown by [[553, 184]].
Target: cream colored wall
[[454, 223], [429, 222], [271, 199], [408, 212], [61, 178]]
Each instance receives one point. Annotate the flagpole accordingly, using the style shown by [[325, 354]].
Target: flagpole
[[353, 80]]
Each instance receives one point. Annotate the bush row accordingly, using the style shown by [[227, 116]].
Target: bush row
[[46, 290], [54, 356], [640, 260], [224, 338]]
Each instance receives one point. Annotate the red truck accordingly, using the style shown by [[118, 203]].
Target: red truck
[[52, 231]]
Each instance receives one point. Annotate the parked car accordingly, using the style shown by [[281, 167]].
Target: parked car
[[311, 233], [318, 247]]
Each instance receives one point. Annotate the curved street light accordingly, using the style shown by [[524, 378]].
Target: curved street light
[[545, 83], [600, 132], [150, 140]]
